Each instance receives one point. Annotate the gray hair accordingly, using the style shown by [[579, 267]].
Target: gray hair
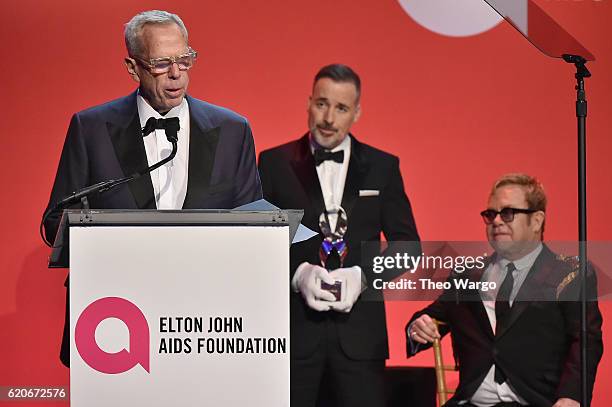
[[134, 27]]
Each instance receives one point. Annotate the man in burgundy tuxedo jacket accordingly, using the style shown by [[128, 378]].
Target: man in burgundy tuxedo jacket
[[521, 346]]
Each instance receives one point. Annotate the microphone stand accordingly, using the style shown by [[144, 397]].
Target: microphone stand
[[557, 38], [104, 186], [581, 113]]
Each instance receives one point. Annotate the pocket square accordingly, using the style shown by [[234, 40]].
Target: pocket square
[[369, 192]]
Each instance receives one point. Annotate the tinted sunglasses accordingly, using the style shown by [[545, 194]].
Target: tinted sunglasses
[[506, 214]]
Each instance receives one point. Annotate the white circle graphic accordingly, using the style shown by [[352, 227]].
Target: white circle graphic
[[454, 18], [112, 335]]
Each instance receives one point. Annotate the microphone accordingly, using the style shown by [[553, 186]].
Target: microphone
[[171, 126]]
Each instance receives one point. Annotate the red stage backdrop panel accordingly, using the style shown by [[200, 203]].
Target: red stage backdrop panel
[[458, 111]]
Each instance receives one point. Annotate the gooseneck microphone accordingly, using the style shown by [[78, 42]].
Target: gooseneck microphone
[[171, 126]]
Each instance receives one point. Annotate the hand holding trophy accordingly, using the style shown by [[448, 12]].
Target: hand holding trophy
[[333, 224]]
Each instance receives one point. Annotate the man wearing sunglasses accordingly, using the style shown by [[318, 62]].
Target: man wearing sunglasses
[[214, 166], [521, 345]]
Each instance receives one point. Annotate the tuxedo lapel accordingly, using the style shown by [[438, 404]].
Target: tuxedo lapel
[[125, 134], [357, 169], [203, 140], [305, 170], [530, 290]]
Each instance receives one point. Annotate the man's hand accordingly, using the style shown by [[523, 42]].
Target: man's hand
[[306, 281], [423, 330], [352, 276], [565, 402]]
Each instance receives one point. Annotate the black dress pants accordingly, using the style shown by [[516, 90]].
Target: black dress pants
[[353, 383]]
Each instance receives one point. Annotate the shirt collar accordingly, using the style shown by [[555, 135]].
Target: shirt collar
[[345, 145], [525, 262], [145, 111]]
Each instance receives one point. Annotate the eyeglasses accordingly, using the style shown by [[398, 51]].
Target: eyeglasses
[[163, 65], [506, 214]]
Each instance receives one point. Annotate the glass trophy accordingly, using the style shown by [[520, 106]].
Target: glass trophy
[[333, 224]]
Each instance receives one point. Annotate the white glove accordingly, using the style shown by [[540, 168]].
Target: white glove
[[306, 280], [353, 287]]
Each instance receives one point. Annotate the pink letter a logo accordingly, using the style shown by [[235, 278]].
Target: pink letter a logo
[[112, 363]]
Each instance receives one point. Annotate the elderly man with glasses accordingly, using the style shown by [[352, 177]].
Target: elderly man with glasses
[[519, 346], [214, 166]]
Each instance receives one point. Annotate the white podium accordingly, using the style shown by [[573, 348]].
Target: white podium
[[178, 308]]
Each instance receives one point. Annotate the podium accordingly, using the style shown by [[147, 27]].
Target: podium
[[185, 308]]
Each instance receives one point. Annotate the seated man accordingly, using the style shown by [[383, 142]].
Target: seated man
[[522, 347]]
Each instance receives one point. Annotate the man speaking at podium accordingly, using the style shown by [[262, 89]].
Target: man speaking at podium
[[351, 192], [521, 346], [215, 163]]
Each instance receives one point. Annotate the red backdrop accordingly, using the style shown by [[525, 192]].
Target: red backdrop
[[457, 111]]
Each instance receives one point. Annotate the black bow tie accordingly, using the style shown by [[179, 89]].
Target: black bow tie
[[321, 155], [171, 126]]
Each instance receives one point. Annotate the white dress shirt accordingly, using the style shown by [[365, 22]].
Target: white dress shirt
[[489, 392], [170, 180], [332, 177]]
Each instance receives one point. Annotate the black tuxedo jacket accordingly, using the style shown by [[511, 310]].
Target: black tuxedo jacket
[[537, 345], [289, 180], [105, 142]]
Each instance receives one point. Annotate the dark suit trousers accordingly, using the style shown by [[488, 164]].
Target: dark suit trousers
[[353, 383]]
